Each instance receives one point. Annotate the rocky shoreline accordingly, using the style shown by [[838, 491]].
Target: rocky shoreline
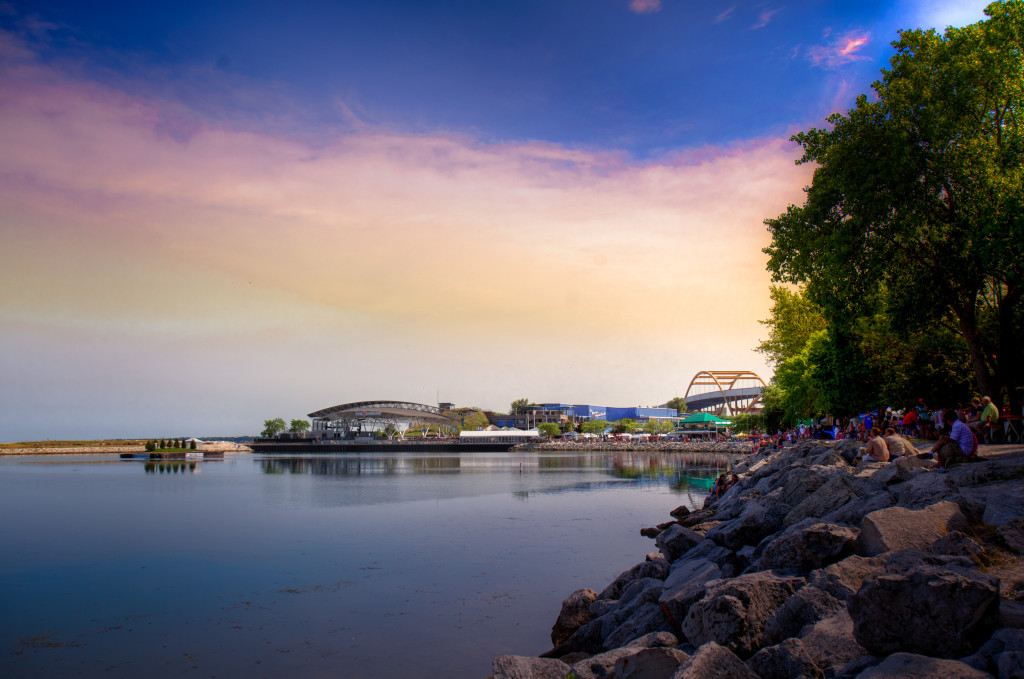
[[811, 566]]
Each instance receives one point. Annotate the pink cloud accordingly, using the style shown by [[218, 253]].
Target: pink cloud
[[645, 6], [371, 238], [839, 52], [725, 15], [764, 18]]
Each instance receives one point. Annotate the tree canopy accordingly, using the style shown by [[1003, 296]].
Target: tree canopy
[[679, 403], [272, 428], [519, 406], [299, 426], [916, 208]]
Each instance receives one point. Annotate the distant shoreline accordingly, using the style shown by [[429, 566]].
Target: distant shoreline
[[226, 447]]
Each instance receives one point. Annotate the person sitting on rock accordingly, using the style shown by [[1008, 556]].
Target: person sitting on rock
[[955, 443], [897, 446], [877, 450]]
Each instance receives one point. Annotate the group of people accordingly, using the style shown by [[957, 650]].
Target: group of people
[[723, 483], [958, 441]]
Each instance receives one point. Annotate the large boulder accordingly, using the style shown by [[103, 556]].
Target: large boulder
[[845, 577], [926, 489], [575, 612], [649, 663], [911, 666], [759, 519], [809, 547], [1001, 502], [519, 667], [831, 643], [676, 540], [894, 528], [647, 569], [601, 665], [808, 606], [832, 495], [734, 612], [943, 611], [854, 511], [685, 586], [712, 661], [641, 621], [788, 660]]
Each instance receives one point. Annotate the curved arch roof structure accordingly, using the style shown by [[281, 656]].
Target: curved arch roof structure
[[736, 391], [383, 410]]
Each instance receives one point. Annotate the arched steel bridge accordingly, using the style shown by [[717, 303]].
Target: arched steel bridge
[[725, 392]]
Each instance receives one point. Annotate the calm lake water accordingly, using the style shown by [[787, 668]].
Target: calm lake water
[[355, 566]]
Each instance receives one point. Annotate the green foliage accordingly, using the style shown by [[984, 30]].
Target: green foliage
[[679, 403], [192, 444], [747, 421], [566, 426], [917, 203], [272, 428], [626, 426], [794, 321], [150, 446], [163, 444], [299, 426], [520, 406], [549, 429], [594, 426], [657, 426]]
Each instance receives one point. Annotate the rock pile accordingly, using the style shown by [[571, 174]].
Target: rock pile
[[812, 567]]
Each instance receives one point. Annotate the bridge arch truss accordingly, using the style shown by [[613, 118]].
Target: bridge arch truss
[[725, 392]]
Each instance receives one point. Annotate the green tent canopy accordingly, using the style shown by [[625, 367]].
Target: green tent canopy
[[705, 418]]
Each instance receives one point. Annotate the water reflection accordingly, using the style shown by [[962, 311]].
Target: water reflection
[[163, 467], [682, 472]]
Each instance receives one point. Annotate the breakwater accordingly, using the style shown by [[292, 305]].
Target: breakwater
[[725, 447], [814, 566]]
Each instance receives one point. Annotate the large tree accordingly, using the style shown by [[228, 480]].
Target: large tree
[[918, 197], [272, 428]]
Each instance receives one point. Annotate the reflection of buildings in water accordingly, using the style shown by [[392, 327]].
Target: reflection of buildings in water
[[359, 466]]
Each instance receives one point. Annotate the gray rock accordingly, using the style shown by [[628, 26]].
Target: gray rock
[[845, 577], [603, 607], [830, 459], [724, 558], [788, 660], [956, 543], [685, 586], [854, 511], [575, 612], [1010, 665], [1011, 614], [986, 658], [808, 606], [759, 519], [641, 621], [830, 642], [926, 489], [676, 541], [1012, 533], [647, 569], [643, 586], [907, 560], [893, 472], [829, 497], [589, 639], [734, 612], [640, 594], [650, 663], [894, 528], [911, 666], [808, 548], [601, 665], [934, 610], [519, 667], [655, 640], [1002, 501], [679, 512], [712, 661]]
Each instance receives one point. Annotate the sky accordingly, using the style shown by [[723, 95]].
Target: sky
[[216, 213]]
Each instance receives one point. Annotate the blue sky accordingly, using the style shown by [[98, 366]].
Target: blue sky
[[217, 213], [589, 73]]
